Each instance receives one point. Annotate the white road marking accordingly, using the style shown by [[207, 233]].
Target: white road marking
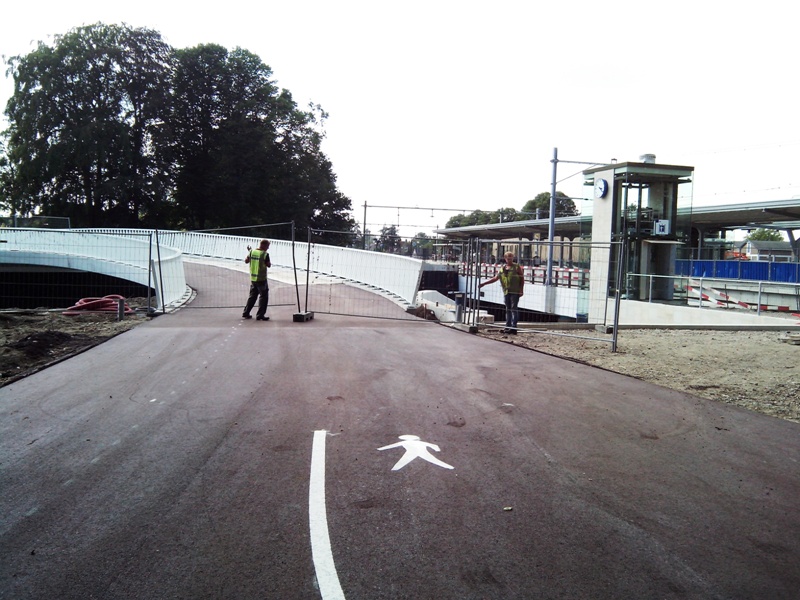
[[327, 578], [415, 448]]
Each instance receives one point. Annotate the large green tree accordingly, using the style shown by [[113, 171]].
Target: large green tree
[[83, 117], [540, 205], [482, 217], [244, 151], [388, 241], [6, 179], [110, 126]]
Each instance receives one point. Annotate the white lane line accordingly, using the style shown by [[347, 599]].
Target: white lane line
[[327, 579]]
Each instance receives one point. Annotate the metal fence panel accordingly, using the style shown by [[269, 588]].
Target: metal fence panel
[[567, 296], [56, 268], [380, 283]]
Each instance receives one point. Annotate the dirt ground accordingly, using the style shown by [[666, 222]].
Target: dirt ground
[[32, 340], [758, 370]]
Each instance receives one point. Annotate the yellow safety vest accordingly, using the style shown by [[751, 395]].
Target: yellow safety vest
[[258, 265], [510, 279]]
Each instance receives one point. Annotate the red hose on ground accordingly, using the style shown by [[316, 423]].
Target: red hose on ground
[[105, 304]]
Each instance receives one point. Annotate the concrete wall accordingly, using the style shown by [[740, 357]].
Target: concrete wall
[[602, 226], [644, 314]]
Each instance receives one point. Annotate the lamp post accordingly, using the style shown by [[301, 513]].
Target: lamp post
[[552, 219], [364, 244]]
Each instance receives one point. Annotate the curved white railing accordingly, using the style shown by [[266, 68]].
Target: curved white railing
[[132, 257], [133, 253], [396, 275]]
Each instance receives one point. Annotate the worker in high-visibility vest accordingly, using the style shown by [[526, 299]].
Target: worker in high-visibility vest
[[259, 289], [512, 278]]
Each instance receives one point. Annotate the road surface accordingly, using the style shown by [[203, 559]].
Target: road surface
[[178, 461]]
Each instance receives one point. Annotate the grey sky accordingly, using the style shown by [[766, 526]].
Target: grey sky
[[459, 104]]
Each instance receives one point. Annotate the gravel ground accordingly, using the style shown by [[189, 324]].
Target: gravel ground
[[757, 370]]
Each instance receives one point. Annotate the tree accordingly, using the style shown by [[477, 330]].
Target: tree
[[564, 207], [83, 117], [540, 205], [221, 130], [110, 126], [506, 215], [243, 150], [422, 244], [481, 217], [764, 235], [457, 221], [7, 202], [388, 241]]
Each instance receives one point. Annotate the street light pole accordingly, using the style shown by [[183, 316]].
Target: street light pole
[[552, 219]]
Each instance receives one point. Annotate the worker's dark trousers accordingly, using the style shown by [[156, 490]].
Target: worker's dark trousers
[[260, 290]]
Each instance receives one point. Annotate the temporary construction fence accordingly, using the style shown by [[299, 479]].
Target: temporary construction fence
[[379, 283], [169, 267], [753, 270], [312, 275], [553, 291], [216, 270], [57, 268]]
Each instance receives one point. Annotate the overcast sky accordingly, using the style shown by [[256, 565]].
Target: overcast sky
[[459, 104]]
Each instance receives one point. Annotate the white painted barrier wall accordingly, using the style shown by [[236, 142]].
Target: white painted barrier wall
[[127, 257], [397, 275]]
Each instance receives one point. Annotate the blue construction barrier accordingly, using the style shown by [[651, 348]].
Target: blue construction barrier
[[755, 270]]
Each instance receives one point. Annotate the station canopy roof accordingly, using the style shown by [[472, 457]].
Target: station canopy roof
[[774, 214]]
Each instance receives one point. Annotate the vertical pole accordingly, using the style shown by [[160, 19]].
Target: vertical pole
[[760, 288], [364, 240], [308, 266], [150, 274], [160, 274], [700, 294], [475, 291], [294, 268], [552, 220], [617, 293]]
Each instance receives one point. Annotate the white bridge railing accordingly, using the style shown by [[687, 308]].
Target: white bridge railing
[[155, 257], [116, 253], [396, 275]]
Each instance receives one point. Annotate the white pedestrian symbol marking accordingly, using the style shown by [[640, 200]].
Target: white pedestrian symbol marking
[[415, 448]]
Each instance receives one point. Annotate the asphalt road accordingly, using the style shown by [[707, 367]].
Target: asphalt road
[[175, 461]]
